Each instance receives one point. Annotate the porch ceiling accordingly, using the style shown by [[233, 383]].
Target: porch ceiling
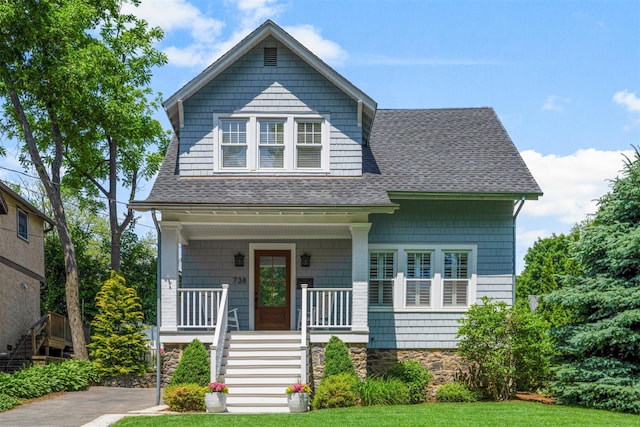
[[265, 231]]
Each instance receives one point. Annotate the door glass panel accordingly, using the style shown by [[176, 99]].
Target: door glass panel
[[273, 281]]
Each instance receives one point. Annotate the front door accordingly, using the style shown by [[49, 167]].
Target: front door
[[272, 290]]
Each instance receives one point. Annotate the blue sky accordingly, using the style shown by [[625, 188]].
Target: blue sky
[[563, 76]]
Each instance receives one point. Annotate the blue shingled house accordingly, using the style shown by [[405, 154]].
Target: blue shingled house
[[292, 209]]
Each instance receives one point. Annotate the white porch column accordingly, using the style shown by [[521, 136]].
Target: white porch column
[[360, 275], [169, 276]]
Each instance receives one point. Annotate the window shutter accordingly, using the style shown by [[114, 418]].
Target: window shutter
[[309, 157]]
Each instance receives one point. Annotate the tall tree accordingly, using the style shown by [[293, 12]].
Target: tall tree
[[602, 342], [59, 80]]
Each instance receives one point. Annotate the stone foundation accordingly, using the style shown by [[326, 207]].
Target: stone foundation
[[170, 358], [132, 381], [357, 353]]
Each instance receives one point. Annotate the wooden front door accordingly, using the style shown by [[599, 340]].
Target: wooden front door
[[272, 290]]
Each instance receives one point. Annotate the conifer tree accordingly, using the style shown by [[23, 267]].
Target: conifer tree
[[118, 344], [601, 344]]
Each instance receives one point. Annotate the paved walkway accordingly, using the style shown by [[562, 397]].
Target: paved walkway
[[95, 407]]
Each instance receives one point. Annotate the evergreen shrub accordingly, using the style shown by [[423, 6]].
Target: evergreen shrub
[[336, 359], [194, 367], [415, 376], [336, 391], [185, 397]]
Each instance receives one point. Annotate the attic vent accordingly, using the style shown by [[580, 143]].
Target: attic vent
[[270, 56]]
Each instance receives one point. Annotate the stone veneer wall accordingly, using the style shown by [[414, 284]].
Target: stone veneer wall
[[445, 365], [170, 358], [132, 381]]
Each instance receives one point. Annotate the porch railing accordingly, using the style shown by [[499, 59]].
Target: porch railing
[[198, 308], [328, 308]]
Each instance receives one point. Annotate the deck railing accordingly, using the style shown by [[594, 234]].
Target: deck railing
[[198, 308]]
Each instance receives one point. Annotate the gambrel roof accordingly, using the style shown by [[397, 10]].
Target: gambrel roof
[[431, 153]]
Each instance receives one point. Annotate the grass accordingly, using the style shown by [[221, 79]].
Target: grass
[[487, 414]]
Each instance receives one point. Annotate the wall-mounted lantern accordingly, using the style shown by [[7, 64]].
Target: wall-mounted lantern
[[305, 260], [239, 259]]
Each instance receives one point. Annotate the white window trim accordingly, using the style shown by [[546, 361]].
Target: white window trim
[[290, 143], [399, 283], [18, 212], [394, 280]]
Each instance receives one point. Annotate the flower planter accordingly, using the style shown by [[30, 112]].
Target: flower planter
[[215, 402], [298, 402]]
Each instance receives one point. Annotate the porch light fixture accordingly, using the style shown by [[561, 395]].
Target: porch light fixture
[[305, 260], [239, 259]]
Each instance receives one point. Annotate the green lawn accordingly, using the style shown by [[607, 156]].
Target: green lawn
[[497, 414]]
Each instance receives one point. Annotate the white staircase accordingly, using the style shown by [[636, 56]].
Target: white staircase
[[257, 367]]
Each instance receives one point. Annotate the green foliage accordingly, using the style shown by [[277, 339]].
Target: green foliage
[[194, 367], [456, 392], [118, 344], [415, 376], [7, 402], [336, 359], [336, 391], [600, 346], [508, 348], [36, 380], [547, 262], [383, 391], [90, 234], [185, 397]]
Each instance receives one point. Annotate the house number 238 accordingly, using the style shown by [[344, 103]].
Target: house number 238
[[239, 280]]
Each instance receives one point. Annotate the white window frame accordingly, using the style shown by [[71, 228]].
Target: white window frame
[[290, 143], [437, 284], [19, 213], [383, 307]]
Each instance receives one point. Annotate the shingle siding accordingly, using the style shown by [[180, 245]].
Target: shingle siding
[[487, 224], [291, 87]]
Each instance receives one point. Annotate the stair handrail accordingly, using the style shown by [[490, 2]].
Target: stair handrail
[[217, 347], [30, 334]]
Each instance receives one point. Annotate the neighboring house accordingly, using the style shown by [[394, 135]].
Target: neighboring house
[[22, 228], [284, 174]]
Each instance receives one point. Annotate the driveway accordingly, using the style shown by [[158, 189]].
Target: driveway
[[82, 407]]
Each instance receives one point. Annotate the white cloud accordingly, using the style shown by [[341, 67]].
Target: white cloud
[[628, 99], [555, 103], [310, 37], [573, 183], [195, 39]]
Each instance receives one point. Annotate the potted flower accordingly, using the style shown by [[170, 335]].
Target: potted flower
[[216, 399], [298, 397]]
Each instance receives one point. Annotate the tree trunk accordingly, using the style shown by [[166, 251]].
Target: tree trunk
[[53, 193]]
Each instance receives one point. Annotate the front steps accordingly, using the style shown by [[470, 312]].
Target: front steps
[[257, 367]]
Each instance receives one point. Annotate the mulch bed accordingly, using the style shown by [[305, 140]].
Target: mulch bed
[[534, 397]]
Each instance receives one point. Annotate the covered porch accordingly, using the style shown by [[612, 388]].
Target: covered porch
[[284, 269]]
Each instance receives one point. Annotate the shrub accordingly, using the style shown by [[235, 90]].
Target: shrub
[[415, 376], [7, 402], [337, 391], [456, 392], [118, 343], [336, 359], [383, 391], [193, 367], [36, 380], [508, 348], [185, 397]]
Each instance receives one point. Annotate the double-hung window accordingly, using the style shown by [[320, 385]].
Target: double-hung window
[[233, 144], [455, 277], [381, 277], [271, 144], [23, 225], [308, 144], [285, 143], [419, 276]]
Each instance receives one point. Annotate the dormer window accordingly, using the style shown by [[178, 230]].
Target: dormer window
[[277, 144]]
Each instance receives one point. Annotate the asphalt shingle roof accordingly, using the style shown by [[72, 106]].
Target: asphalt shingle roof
[[428, 151]]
